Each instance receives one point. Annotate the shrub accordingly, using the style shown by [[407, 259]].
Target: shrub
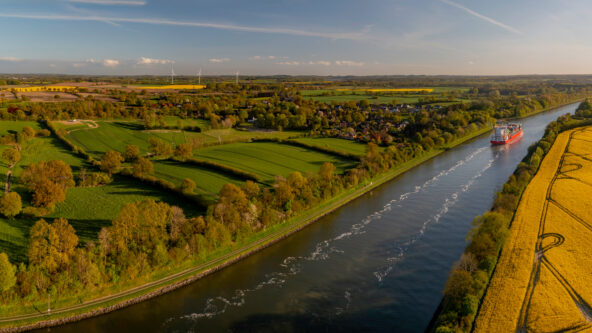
[[187, 186], [10, 204]]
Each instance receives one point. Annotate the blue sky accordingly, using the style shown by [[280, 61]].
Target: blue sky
[[323, 37]]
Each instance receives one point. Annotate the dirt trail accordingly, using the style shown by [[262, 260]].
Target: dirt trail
[[8, 181]]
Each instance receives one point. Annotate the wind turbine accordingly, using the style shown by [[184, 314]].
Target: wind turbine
[[199, 76], [237, 72], [172, 73]]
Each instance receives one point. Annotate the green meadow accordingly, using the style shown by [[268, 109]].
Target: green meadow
[[269, 159], [208, 182], [116, 135], [10, 126], [340, 145]]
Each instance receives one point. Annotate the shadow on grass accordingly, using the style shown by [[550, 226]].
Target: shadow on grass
[[133, 187], [129, 125], [88, 229], [17, 252], [204, 168]]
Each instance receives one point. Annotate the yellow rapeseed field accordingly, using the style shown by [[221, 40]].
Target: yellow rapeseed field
[[543, 280], [173, 87], [44, 88]]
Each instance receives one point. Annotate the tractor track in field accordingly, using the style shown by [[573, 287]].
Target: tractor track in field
[[541, 261]]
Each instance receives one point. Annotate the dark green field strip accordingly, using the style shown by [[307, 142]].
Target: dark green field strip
[[267, 159]]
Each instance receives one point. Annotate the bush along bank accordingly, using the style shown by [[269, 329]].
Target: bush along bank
[[469, 277]]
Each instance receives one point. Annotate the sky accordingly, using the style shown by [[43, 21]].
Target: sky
[[296, 37]]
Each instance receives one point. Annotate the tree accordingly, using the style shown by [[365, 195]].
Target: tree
[[66, 241], [57, 172], [7, 273], [187, 186], [42, 252], [183, 151], [46, 193], [327, 170], [52, 245], [232, 203], [111, 162], [178, 222], [10, 204], [140, 227], [48, 180], [132, 152], [11, 156], [159, 147], [458, 285], [142, 166], [28, 132], [251, 189]]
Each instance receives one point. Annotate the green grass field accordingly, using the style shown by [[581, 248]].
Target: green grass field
[[208, 183], [10, 126], [173, 121], [116, 135], [269, 159], [341, 145]]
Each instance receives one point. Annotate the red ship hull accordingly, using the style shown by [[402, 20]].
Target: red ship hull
[[509, 140]]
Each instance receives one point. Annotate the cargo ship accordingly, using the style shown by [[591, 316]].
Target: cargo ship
[[506, 133]]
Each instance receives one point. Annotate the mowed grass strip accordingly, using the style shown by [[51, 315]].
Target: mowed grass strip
[[341, 145], [208, 182], [269, 159], [116, 135]]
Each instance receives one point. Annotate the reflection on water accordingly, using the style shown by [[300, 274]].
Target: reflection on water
[[377, 264]]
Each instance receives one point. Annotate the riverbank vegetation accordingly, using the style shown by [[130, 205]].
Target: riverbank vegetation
[[502, 228]]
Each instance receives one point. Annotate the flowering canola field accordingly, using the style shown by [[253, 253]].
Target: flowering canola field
[[44, 88], [543, 280]]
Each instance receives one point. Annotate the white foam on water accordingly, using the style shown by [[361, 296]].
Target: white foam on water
[[322, 251], [450, 201], [347, 296]]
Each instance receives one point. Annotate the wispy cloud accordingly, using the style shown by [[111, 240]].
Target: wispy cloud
[[218, 60], [349, 63], [289, 63], [13, 59], [105, 62], [151, 61], [262, 58], [482, 17], [111, 2], [361, 35], [320, 62], [110, 63]]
